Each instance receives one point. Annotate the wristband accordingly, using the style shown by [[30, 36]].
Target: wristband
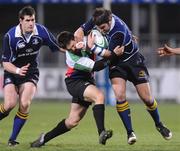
[[17, 70]]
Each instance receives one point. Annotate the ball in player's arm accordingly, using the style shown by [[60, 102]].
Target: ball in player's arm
[[130, 67], [21, 45], [80, 84]]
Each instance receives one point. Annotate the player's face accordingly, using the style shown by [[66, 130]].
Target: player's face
[[72, 45], [28, 23], [104, 28]]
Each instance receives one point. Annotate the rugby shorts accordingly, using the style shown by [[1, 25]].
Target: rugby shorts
[[76, 88], [133, 70]]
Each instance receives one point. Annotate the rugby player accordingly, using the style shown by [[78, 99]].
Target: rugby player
[[21, 45], [130, 67], [81, 85]]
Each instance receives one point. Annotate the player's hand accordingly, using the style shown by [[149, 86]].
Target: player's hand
[[80, 45], [165, 51], [119, 50], [91, 40], [23, 70]]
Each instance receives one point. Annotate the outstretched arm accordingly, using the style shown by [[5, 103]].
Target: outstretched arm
[[168, 51]]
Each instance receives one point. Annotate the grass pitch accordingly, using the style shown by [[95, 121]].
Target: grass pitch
[[45, 115]]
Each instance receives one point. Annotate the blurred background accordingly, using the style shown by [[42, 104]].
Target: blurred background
[[154, 22]]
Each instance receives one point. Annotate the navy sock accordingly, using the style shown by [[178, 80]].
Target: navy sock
[[153, 111], [19, 121], [3, 112], [124, 113]]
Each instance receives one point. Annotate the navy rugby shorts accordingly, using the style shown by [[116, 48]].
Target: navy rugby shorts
[[133, 70], [17, 80]]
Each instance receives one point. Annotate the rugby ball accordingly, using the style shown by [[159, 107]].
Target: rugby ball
[[100, 39]]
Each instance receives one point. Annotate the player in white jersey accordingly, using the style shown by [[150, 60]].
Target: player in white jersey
[[81, 85]]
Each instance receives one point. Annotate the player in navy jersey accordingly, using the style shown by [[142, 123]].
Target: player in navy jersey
[[81, 85], [21, 45], [130, 66]]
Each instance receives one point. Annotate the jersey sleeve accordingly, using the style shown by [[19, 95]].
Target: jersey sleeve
[[116, 40], [6, 49], [88, 26], [79, 62], [50, 40]]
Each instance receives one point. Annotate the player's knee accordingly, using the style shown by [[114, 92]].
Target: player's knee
[[8, 106], [99, 98], [70, 123], [24, 106], [147, 100], [120, 97]]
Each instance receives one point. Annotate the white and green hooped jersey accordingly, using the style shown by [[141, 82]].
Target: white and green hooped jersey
[[79, 64]]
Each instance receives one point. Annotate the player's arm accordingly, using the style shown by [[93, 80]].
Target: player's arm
[[88, 65], [7, 56], [111, 60], [8, 66], [168, 51], [50, 40], [84, 30]]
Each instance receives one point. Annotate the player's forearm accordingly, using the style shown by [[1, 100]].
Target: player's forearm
[[10, 67], [103, 63], [175, 51], [79, 34]]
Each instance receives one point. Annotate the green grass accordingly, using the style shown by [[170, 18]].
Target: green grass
[[45, 115]]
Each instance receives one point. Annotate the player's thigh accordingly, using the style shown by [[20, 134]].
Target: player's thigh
[[10, 96], [77, 112], [27, 92], [93, 94], [144, 91]]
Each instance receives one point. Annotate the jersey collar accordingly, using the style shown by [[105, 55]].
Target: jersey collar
[[18, 32]]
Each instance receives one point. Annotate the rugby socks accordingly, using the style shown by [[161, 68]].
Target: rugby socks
[[124, 113], [3, 112], [19, 121], [98, 112], [153, 110], [58, 130]]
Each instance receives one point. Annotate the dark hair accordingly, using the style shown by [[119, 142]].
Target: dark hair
[[64, 38], [27, 10], [101, 16]]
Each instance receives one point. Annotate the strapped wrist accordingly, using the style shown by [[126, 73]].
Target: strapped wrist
[[18, 70]]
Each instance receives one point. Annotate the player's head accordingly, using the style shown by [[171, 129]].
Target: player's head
[[102, 19], [27, 19], [66, 40]]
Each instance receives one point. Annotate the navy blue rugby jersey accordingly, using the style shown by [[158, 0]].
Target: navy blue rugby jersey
[[20, 50], [119, 34]]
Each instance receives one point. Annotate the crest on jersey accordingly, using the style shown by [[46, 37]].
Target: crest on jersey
[[35, 41], [20, 45]]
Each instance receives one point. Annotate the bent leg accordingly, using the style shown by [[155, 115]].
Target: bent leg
[[76, 114], [122, 105], [26, 93], [93, 94], [145, 94], [10, 100]]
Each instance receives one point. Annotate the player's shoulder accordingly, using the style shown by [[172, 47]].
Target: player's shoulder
[[11, 31], [40, 27]]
